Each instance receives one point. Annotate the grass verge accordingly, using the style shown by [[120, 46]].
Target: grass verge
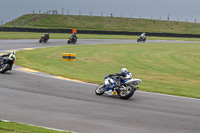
[[13, 127], [164, 68]]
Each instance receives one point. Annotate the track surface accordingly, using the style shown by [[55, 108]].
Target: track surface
[[44, 101]]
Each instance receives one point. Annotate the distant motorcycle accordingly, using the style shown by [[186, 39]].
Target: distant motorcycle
[[124, 91], [141, 39], [72, 40], [7, 61], [44, 38]]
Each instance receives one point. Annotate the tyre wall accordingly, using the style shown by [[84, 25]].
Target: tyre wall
[[42, 30]]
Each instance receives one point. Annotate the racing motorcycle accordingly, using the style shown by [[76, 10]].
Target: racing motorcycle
[[71, 40], [44, 38], [125, 90], [141, 39], [7, 61]]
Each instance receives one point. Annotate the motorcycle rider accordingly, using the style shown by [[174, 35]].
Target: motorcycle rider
[[46, 36], [124, 75], [143, 36], [73, 37]]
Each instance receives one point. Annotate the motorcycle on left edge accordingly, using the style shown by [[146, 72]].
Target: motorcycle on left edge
[[44, 38], [7, 61]]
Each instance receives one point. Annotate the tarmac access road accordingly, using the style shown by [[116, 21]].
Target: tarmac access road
[[44, 100]]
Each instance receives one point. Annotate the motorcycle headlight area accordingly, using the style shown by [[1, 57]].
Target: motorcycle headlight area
[[108, 81], [135, 83]]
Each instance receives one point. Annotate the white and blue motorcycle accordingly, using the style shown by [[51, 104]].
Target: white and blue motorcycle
[[7, 61], [124, 90]]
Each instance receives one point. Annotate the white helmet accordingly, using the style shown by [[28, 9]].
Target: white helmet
[[13, 52], [124, 70]]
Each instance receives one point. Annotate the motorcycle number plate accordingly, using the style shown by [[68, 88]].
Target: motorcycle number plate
[[114, 93]]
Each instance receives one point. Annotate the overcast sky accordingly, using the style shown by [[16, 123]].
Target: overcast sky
[[182, 10]]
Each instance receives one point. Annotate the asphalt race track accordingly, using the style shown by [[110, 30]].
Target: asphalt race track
[[40, 99]]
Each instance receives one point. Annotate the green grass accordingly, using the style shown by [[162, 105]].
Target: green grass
[[33, 35], [104, 23], [164, 68], [13, 127]]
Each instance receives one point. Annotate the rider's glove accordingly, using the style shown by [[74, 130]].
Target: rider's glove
[[110, 75]]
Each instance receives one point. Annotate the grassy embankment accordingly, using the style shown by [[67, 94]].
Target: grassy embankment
[[164, 68], [98, 23], [104, 23]]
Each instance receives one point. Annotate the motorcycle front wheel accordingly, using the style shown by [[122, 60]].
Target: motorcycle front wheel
[[40, 40], [68, 42], [100, 89], [4, 68], [127, 93]]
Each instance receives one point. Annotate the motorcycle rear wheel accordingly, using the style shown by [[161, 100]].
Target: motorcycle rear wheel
[[127, 93], [100, 89], [4, 68]]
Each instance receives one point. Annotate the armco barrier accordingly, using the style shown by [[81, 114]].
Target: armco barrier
[[19, 29]]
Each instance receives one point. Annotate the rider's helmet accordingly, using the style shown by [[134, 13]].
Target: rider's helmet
[[106, 77], [46, 34], [74, 32], [12, 55], [124, 70], [143, 33], [13, 52]]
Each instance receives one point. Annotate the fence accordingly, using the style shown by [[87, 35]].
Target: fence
[[19, 29]]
